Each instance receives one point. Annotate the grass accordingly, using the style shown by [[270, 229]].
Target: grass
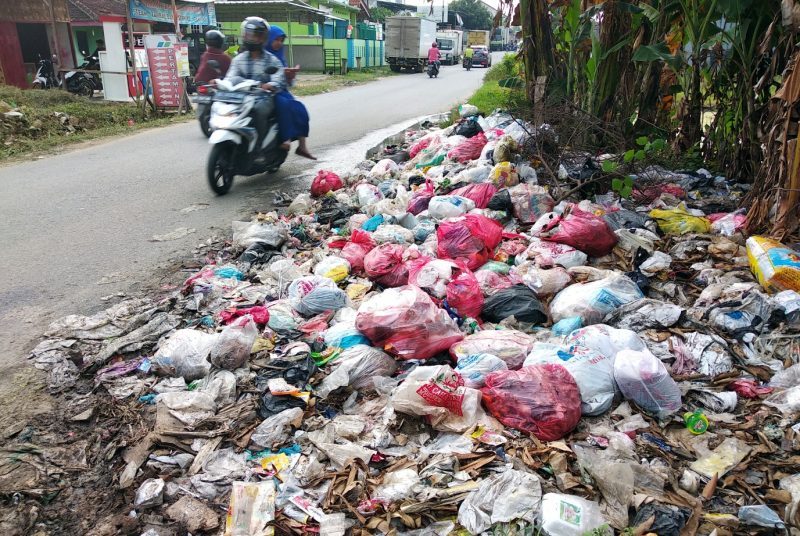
[[53, 118], [334, 82]]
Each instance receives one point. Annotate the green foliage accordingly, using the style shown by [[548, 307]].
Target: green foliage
[[379, 14], [473, 13], [622, 187]]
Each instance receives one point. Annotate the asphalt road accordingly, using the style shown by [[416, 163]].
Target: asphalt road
[[79, 226]]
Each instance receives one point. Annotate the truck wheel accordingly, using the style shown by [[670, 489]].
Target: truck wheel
[[395, 68]]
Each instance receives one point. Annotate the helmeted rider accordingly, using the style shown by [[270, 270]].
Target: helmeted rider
[[434, 54], [468, 54], [252, 64], [215, 41]]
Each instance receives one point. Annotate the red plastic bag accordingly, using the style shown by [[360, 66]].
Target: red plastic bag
[[259, 313], [480, 193], [471, 239], [422, 144], [583, 231], [356, 249], [749, 388], [470, 149], [407, 323], [464, 294], [541, 399], [324, 182], [386, 265], [421, 199]]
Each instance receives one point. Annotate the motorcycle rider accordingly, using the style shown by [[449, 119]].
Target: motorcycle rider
[[468, 54], [252, 64], [215, 40], [434, 54]]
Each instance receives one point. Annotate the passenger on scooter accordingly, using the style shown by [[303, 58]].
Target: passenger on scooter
[[434, 54], [292, 114], [252, 64], [215, 40]]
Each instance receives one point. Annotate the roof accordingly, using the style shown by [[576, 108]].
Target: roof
[[92, 10], [275, 9]]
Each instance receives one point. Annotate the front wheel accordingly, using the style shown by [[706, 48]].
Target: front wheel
[[220, 168], [85, 88]]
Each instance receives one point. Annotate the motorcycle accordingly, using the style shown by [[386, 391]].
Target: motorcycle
[[468, 63], [203, 100], [433, 69], [234, 138], [82, 83], [45, 75]]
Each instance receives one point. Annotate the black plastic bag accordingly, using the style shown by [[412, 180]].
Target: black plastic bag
[[625, 219], [667, 520], [296, 373], [501, 201], [399, 157], [333, 211], [641, 280], [270, 405], [416, 180], [258, 253], [468, 128], [518, 301]]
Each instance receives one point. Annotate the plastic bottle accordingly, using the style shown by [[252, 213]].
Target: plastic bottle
[[696, 422], [568, 515]]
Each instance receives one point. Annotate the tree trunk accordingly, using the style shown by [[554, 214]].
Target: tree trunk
[[690, 130], [538, 50], [615, 25]]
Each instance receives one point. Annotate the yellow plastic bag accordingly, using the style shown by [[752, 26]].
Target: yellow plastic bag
[[775, 266], [678, 220], [504, 175]]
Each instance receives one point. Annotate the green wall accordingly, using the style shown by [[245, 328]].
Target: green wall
[[93, 33]]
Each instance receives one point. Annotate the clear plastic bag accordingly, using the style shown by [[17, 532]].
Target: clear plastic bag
[[344, 335], [546, 254], [368, 194], [449, 206], [405, 322], [275, 429], [542, 281], [509, 345], [392, 234], [247, 233], [312, 295], [185, 354], [501, 498], [471, 239], [593, 301], [232, 348], [645, 380], [383, 168], [474, 368], [334, 268], [530, 202], [569, 515], [431, 275], [504, 174], [357, 367], [541, 399]]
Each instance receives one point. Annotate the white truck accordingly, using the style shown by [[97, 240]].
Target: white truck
[[451, 43], [408, 40]]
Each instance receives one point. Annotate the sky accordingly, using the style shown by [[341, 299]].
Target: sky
[[492, 3]]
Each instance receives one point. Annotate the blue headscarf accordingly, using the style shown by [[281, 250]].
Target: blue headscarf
[[276, 32]]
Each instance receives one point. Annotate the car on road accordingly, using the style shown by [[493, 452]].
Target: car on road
[[482, 57]]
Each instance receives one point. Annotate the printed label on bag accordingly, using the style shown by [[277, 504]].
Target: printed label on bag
[[570, 513], [444, 391]]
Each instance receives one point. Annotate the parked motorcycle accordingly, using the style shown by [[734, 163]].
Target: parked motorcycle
[[234, 137], [467, 63], [46, 75], [433, 69], [82, 83]]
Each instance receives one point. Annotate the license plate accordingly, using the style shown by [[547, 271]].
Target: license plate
[[202, 99]]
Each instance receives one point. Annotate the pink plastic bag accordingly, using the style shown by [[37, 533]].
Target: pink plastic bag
[[324, 182], [356, 249], [480, 193], [471, 239], [387, 264], [422, 144], [469, 149], [407, 323], [490, 282], [583, 231], [421, 199], [541, 399], [530, 201], [510, 345], [464, 294]]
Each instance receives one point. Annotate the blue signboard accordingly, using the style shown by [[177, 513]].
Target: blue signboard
[[189, 14]]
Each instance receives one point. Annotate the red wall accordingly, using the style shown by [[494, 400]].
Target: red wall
[[11, 70]]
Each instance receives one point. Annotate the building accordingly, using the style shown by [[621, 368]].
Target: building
[[30, 31], [322, 35], [87, 27]]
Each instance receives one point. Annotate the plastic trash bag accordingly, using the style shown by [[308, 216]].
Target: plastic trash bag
[[492, 282], [185, 354], [324, 182], [606, 340], [367, 194], [334, 268], [776, 266], [300, 205], [438, 392], [679, 221], [530, 202], [593, 372], [478, 174], [247, 233], [431, 275], [542, 281], [421, 199], [501, 498], [583, 231], [464, 294], [276, 429], [546, 254], [383, 167], [232, 348], [504, 149], [356, 367], [541, 399], [405, 322], [518, 301], [474, 368], [643, 378], [356, 249], [625, 219], [343, 335], [386, 264], [468, 110], [480, 194], [471, 239], [392, 234], [510, 345], [593, 301], [312, 295], [570, 515], [504, 174], [449, 206], [470, 149], [333, 211]]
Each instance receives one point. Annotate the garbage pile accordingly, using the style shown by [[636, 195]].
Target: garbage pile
[[432, 344]]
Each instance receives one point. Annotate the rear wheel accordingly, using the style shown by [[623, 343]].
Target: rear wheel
[[203, 120], [85, 88], [220, 168], [395, 68]]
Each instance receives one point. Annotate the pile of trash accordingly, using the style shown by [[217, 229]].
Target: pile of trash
[[431, 344]]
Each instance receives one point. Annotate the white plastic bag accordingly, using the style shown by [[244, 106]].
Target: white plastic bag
[[569, 515], [434, 277], [501, 498], [334, 268], [645, 380], [474, 368], [510, 345], [546, 254], [393, 234], [543, 281], [276, 428], [356, 368], [232, 348], [593, 301], [300, 205], [383, 167], [368, 194], [185, 354], [312, 295], [449, 206], [247, 233]]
